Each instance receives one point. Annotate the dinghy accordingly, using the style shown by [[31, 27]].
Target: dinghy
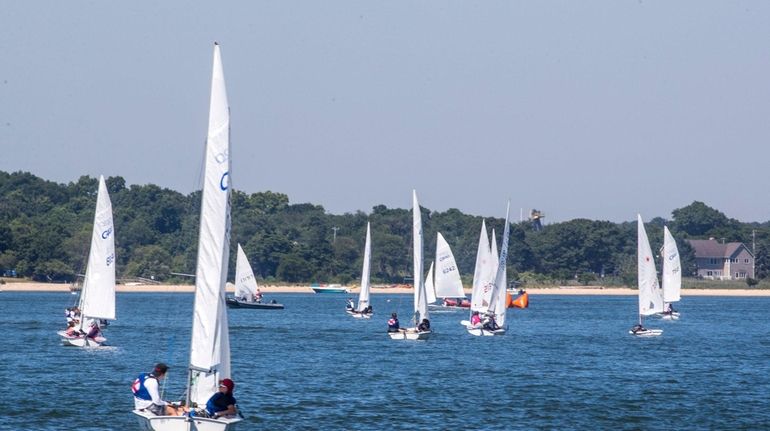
[[650, 293], [362, 310], [672, 276], [210, 341], [482, 286], [420, 295], [97, 296], [446, 284], [498, 304], [246, 291]]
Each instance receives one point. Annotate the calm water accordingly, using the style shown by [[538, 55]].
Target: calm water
[[567, 363]]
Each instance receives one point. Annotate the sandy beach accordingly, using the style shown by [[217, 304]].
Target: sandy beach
[[379, 289]]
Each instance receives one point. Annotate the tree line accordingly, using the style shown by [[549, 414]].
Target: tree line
[[45, 232]]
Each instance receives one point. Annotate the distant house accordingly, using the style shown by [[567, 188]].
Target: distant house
[[718, 261]]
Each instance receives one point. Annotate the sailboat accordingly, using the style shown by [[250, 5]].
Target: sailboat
[[97, 296], [498, 305], [420, 294], [246, 291], [447, 284], [650, 293], [672, 275], [481, 275], [363, 296], [210, 341]]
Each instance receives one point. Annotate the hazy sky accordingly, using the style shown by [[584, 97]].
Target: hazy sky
[[594, 109]]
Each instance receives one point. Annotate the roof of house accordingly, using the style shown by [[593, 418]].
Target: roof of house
[[713, 248]]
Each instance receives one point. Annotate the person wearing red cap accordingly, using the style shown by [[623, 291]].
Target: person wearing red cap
[[222, 403]]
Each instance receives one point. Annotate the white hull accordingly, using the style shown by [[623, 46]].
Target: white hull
[[671, 316], [647, 333], [150, 422], [409, 334], [481, 332], [68, 340], [358, 315]]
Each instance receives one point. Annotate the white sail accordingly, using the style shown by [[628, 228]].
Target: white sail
[[363, 296], [420, 297], [447, 280], [97, 298], [490, 274], [209, 349], [650, 293], [672, 269], [497, 304], [430, 287], [481, 273], [245, 282]]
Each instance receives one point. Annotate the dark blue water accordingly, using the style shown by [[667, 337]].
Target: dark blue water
[[566, 363]]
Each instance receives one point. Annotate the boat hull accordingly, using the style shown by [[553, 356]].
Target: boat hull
[[481, 332], [646, 333], [329, 290], [358, 315], [670, 316], [232, 303], [150, 422], [410, 335], [69, 340]]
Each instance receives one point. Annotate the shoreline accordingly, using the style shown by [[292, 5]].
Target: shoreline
[[378, 289]]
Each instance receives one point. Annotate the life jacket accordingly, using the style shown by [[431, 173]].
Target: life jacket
[[140, 391]]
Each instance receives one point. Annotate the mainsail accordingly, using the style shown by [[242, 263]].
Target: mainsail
[[447, 279], [672, 269], [498, 303], [420, 297], [210, 344], [481, 272], [245, 282], [650, 293], [97, 298], [363, 296]]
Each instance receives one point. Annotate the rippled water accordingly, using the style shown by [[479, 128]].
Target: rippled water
[[566, 363]]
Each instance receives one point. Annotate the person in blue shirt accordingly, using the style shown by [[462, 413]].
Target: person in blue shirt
[[393, 325], [222, 403]]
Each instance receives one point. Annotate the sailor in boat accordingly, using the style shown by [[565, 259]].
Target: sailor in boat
[[221, 403], [94, 331], [393, 325], [368, 310], [350, 306], [71, 331], [669, 309], [475, 319], [490, 324], [424, 326], [146, 395], [258, 297], [73, 314], [638, 328]]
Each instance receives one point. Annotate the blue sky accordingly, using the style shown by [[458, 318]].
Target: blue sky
[[596, 109]]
